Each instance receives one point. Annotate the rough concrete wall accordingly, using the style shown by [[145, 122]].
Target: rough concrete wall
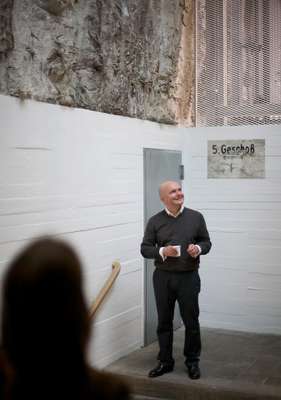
[[115, 56], [201, 55], [183, 100]]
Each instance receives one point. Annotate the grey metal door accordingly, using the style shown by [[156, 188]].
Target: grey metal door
[[159, 166]]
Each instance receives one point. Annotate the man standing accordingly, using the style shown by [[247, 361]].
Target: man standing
[[175, 238]]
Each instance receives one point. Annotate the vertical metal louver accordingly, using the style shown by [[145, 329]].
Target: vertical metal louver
[[238, 62]]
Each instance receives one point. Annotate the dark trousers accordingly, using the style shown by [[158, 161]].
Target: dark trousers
[[183, 287]]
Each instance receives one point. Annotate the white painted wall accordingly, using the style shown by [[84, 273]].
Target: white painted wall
[[241, 277], [79, 174]]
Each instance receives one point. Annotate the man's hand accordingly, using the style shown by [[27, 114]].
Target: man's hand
[[170, 251], [193, 250]]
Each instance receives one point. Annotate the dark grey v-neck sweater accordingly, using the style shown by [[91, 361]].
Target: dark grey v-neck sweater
[[163, 230]]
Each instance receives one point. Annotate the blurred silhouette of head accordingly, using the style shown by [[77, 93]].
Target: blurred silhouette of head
[[45, 324]]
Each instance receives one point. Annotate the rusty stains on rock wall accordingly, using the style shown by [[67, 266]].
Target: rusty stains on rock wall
[[115, 56]]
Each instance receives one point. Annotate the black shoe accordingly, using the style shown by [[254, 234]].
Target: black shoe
[[193, 371], [160, 369]]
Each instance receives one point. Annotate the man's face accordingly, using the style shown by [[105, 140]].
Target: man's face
[[172, 195]]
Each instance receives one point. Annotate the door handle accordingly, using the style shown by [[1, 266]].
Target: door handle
[[181, 171]]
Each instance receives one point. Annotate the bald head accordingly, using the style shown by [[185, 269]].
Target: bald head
[[171, 195], [164, 188]]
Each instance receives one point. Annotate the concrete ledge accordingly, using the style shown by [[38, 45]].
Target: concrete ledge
[[221, 390]]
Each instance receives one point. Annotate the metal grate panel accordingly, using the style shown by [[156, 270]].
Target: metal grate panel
[[238, 62]]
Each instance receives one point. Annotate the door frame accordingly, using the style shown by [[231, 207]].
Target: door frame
[[145, 219]]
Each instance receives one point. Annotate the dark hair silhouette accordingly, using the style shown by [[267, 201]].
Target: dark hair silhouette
[[46, 327], [44, 312], [45, 324]]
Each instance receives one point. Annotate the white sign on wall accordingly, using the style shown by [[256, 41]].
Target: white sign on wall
[[236, 158]]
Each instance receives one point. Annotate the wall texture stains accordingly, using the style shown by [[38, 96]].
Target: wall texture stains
[[6, 35], [121, 57], [182, 102]]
